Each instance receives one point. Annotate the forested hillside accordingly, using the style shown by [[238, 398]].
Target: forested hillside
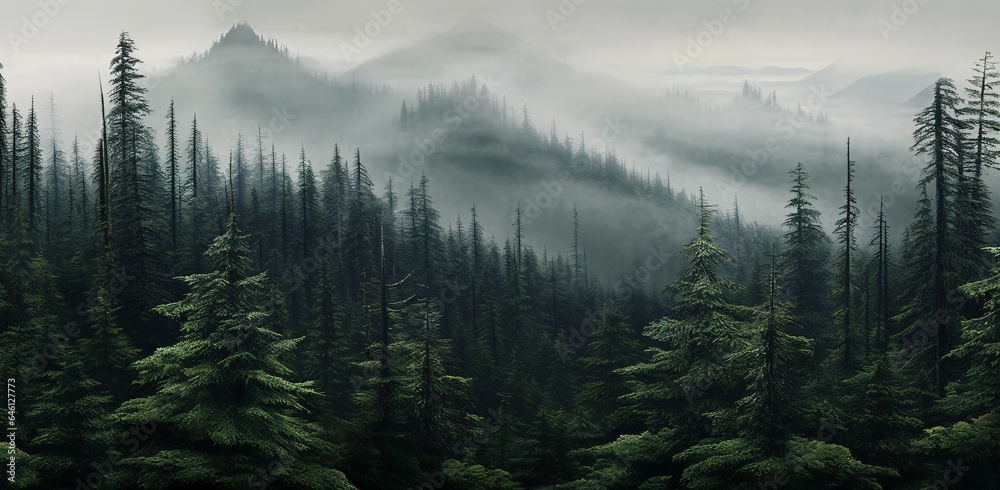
[[184, 313]]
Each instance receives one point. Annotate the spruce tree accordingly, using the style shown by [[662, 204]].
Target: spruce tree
[[4, 150], [232, 409], [845, 231], [613, 347], [981, 116], [687, 374], [33, 172], [137, 231], [938, 136], [761, 451], [73, 420], [173, 171]]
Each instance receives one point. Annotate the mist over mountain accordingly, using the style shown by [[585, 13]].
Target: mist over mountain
[[245, 80], [557, 245]]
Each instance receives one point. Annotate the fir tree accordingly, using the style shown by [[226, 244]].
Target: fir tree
[[938, 135], [232, 409]]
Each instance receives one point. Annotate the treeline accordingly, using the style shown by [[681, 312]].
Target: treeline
[[176, 317]]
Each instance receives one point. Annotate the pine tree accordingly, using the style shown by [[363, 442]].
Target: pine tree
[[612, 348], [33, 171], [308, 202], [173, 171], [938, 135], [916, 319], [361, 233], [981, 341], [687, 374], [845, 229], [5, 163], [74, 423], [136, 234], [981, 116], [16, 148], [240, 178], [424, 239], [58, 219], [764, 452], [883, 295], [883, 423], [440, 412], [233, 409]]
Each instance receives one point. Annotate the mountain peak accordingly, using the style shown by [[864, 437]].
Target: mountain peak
[[241, 38], [240, 34]]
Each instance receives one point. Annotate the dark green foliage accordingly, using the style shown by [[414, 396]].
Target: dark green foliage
[[224, 405], [351, 339], [74, 422]]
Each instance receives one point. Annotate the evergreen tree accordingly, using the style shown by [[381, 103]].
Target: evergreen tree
[[5, 163], [33, 172], [845, 229], [73, 420], [173, 171], [938, 135], [981, 115], [883, 295], [232, 409], [613, 347], [688, 374], [763, 451], [136, 234], [916, 318]]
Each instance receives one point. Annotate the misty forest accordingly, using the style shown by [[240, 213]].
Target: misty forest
[[440, 291]]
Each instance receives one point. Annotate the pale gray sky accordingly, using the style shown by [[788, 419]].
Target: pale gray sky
[[62, 49], [630, 38]]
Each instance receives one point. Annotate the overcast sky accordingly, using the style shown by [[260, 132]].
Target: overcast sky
[[632, 39]]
